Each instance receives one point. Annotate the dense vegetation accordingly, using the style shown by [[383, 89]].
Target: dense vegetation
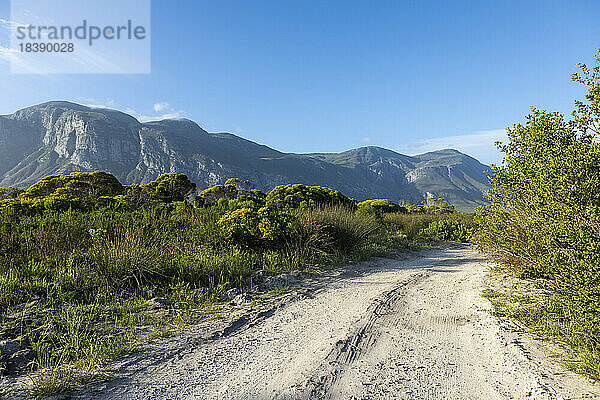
[[81, 255], [543, 222]]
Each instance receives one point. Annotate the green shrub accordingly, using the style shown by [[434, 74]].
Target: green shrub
[[79, 190], [76, 185], [544, 216], [379, 207], [254, 228], [241, 226], [417, 209], [171, 187], [15, 208], [412, 225], [301, 196], [10, 193], [86, 191], [167, 188], [245, 202], [446, 231], [234, 194], [120, 203], [439, 206]]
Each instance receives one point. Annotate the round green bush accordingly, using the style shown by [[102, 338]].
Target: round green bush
[[172, 187], [446, 231], [301, 196], [254, 228], [76, 185], [379, 207]]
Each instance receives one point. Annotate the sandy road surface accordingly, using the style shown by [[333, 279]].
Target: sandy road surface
[[409, 328]]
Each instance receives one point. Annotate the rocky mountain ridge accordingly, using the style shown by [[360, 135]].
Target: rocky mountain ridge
[[62, 137]]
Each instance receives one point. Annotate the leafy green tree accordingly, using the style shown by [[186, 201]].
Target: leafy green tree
[[543, 219], [546, 193], [172, 187]]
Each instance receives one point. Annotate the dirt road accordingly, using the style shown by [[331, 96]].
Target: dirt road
[[409, 328]]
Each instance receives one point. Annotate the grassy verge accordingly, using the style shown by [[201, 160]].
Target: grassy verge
[[535, 304]]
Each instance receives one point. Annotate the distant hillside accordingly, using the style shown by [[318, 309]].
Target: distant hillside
[[62, 137]]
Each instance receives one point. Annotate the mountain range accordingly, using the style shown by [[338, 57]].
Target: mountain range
[[61, 137]]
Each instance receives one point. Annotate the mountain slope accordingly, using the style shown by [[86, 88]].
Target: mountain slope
[[62, 137]]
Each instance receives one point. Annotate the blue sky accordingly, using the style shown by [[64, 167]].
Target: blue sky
[[307, 76]]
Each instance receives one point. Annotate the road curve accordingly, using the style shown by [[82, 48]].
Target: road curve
[[414, 327]]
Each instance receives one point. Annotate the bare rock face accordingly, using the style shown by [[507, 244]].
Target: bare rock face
[[62, 137], [103, 140]]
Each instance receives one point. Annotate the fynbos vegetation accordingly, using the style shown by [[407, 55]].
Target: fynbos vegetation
[[91, 268], [543, 222]]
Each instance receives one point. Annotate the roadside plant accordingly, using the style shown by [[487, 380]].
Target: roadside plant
[[446, 231], [543, 220]]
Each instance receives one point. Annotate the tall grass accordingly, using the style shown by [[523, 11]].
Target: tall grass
[[346, 231]]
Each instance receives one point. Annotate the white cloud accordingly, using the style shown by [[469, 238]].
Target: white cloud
[[111, 103], [479, 145], [91, 102], [366, 140], [9, 24], [7, 52], [162, 106], [163, 110], [13, 58], [169, 115]]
